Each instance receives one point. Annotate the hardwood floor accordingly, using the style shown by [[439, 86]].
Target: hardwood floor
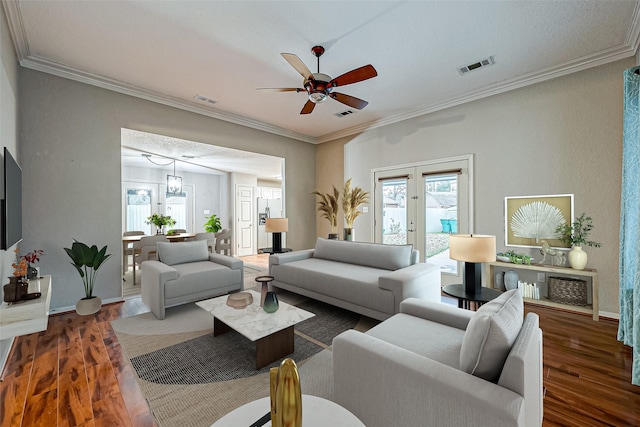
[[74, 373]]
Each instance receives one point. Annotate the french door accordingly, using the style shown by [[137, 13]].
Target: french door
[[422, 204]]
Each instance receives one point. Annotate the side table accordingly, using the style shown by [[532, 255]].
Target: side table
[[316, 412], [465, 299], [270, 251]]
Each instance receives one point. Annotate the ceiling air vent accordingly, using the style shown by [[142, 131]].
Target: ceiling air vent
[[344, 113], [476, 65], [204, 99]]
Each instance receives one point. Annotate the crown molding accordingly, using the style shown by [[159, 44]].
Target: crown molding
[[16, 27], [600, 58]]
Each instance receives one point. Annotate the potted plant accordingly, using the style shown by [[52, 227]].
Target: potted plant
[[576, 235], [352, 199], [87, 260], [213, 224], [31, 258], [160, 221], [328, 207]]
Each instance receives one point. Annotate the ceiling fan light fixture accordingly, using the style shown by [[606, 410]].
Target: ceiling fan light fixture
[[317, 97]]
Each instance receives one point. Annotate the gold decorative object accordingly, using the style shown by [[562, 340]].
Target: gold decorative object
[[286, 396]]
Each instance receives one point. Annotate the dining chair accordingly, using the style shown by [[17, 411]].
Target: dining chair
[[131, 247], [223, 241], [209, 237], [148, 250]]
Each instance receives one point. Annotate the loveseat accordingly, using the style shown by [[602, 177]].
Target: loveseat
[[439, 365], [187, 272], [367, 278]]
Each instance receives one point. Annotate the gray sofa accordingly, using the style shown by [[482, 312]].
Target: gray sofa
[[438, 365], [187, 272], [367, 278]]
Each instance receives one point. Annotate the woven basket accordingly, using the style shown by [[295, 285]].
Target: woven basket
[[568, 291]]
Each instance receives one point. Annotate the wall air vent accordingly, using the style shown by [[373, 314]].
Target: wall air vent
[[204, 99], [476, 65], [344, 113]]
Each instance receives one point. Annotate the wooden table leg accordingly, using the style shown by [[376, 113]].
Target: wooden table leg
[[273, 347], [219, 327]]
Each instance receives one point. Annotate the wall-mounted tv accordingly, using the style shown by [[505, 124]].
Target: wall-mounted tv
[[12, 202]]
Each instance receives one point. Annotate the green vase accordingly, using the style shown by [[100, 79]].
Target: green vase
[[270, 302]]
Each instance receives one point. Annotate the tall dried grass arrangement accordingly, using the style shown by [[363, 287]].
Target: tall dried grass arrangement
[[328, 206], [352, 199]]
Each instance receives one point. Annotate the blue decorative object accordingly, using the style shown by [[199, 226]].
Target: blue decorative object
[[629, 264], [271, 302]]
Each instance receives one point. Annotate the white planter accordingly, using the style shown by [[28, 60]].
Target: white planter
[[88, 306], [577, 258]]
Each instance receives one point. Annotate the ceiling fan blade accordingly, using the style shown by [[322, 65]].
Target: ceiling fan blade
[[354, 76], [296, 63], [349, 100], [282, 89], [308, 107]]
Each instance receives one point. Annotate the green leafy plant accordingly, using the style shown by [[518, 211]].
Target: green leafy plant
[[160, 220], [577, 233], [352, 198], [328, 207], [87, 260], [516, 258], [213, 224]]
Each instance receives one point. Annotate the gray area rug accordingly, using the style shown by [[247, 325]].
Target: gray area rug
[[208, 359]]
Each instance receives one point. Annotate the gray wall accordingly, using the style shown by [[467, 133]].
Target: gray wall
[[556, 137], [8, 137], [211, 191], [70, 140]]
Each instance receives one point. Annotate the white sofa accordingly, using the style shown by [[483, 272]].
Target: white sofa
[[438, 365], [367, 278], [187, 272]]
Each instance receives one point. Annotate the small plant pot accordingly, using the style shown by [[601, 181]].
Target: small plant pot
[[88, 306]]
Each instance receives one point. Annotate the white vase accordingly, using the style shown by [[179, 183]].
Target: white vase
[[577, 258], [87, 306]]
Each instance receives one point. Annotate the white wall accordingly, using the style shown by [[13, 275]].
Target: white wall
[[70, 136], [556, 137]]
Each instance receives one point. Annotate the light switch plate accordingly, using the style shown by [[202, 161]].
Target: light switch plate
[[207, 212], [365, 209]]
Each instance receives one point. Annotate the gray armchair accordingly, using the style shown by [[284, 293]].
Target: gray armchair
[[187, 272], [435, 365]]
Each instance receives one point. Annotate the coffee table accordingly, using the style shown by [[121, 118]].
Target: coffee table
[[272, 332]]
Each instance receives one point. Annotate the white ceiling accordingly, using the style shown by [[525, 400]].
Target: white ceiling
[[170, 51]]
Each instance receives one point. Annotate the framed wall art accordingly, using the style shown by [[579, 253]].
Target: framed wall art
[[530, 220]]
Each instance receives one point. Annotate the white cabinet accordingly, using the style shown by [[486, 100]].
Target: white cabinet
[[29, 316], [489, 271]]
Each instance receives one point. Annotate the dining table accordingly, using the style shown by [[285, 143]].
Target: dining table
[[127, 240]]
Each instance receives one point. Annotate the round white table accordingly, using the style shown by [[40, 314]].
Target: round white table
[[316, 412]]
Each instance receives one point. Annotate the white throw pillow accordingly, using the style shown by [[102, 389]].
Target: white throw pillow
[[490, 334]]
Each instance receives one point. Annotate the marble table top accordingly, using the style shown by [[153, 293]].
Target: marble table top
[[252, 321]]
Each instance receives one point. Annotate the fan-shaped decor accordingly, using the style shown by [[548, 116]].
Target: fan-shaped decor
[[537, 220]]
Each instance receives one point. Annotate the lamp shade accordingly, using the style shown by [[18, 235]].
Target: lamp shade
[[472, 247], [277, 225]]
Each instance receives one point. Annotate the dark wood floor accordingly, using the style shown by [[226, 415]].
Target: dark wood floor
[[74, 374]]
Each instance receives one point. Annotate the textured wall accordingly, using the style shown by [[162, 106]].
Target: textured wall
[[70, 140], [556, 137]]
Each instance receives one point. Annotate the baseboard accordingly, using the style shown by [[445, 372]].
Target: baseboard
[[609, 315], [73, 307], [5, 350]]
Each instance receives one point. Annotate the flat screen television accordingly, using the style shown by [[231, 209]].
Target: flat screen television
[[12, 202]]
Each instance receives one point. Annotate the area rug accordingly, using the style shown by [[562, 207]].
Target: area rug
[[190, 378]]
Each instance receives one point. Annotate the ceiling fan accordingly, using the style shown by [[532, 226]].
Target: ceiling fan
[[319, 86]]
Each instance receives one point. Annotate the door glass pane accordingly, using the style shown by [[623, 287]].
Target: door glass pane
[[441, 219], [138, 209], [176, 208], [394, 212]]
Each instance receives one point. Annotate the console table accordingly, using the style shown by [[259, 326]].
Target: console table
[[593, 309], [29, 316]]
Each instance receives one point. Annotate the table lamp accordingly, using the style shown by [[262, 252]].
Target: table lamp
[[277, 226], [473, 249]]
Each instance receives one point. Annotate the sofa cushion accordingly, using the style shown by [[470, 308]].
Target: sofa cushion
[[183, 252], [356, 284], [388, 257], [490, 334]]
